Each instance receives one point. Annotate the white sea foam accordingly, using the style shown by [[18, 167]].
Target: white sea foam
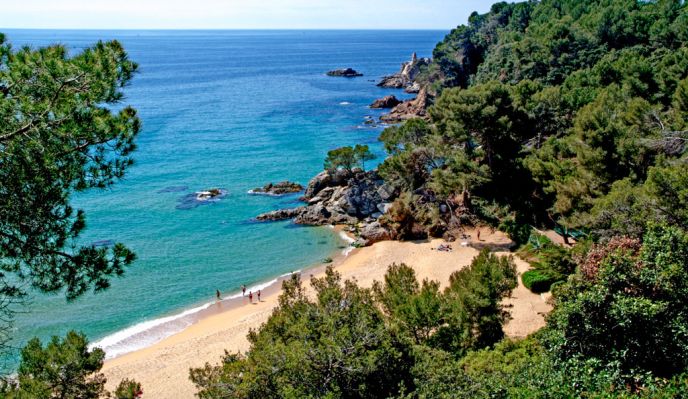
[[344, 103], [150, 332], [345, 237]]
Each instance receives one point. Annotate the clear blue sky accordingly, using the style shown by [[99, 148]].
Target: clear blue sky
[[238, 14]]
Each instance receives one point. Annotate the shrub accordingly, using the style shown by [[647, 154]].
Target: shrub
[[538, 281]]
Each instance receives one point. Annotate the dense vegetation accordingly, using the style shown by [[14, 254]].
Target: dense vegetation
[[569, 113], [59, 134], [566, 114], [355, 342]]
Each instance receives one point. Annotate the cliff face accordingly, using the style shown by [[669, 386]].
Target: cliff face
[[415, 108], [404, 79]]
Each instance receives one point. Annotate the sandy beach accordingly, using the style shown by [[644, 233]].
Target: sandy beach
[[163, 368]]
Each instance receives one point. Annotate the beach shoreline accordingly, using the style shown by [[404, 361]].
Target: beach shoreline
[[149, 332], [163, 367]]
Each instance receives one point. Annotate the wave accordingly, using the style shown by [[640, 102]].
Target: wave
[[150, 332]]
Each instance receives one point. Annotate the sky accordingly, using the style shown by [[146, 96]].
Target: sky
[[238, 14]]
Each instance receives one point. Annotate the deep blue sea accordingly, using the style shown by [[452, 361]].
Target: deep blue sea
[[227, 109]]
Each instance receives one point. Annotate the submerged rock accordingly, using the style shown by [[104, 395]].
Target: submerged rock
[[281, 188], [385, 102], [344, 72]]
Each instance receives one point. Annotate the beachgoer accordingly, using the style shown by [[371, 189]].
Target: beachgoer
[[243, 290], [250, 296], [258, 295], [478, 234], [217, 294]]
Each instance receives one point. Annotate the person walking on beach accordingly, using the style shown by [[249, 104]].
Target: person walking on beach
[[258, 295], [478, 234], [250, 297], [217, 294], [243, 290]]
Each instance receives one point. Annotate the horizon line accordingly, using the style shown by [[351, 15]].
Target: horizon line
[[236, 29]]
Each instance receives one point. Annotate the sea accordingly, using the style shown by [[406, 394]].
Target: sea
[[220, 109]]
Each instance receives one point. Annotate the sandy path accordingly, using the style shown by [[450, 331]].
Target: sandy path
[[163, 368]]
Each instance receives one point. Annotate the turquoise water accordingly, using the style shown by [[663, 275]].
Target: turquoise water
[[229, 109]]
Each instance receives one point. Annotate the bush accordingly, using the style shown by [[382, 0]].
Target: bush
[[538, 281], [519, 233]]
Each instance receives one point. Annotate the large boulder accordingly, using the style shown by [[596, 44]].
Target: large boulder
[[385, 102], [374, 232], [326, 179]]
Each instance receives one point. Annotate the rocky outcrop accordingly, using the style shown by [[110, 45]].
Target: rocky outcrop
[[326, 179], [280, 214], [344, 72], [416, 108], [281, 188], [404, 79], [343, 197], [385, 102]]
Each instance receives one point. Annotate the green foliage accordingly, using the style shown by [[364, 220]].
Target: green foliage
[[348, 157], [538, 281], [60, 134], [414, 309], [627, 310], [128, 389], [543, 106], [334, 346], [474, 315], [64, 368], [354, 342]]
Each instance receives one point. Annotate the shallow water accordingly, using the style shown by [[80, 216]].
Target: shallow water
[[226, 109]]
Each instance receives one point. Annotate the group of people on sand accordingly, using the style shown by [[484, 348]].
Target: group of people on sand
[[218, 294]]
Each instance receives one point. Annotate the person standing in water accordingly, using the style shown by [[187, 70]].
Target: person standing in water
[[250, 297], [243, 290], [217, 294]]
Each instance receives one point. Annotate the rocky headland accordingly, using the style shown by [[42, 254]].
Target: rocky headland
[[344, 72], [405, 78]]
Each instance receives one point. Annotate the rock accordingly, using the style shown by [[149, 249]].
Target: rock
[[325, 179], [281, 188], [414, 88], [209, 194], [280, 214], [338, 197], [405, 77], [385, 102], [387, 192], [344, 72], [384, 207], [375, 232], [416, 108]]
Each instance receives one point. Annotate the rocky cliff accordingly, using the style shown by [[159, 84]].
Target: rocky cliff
[[405, 78]]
